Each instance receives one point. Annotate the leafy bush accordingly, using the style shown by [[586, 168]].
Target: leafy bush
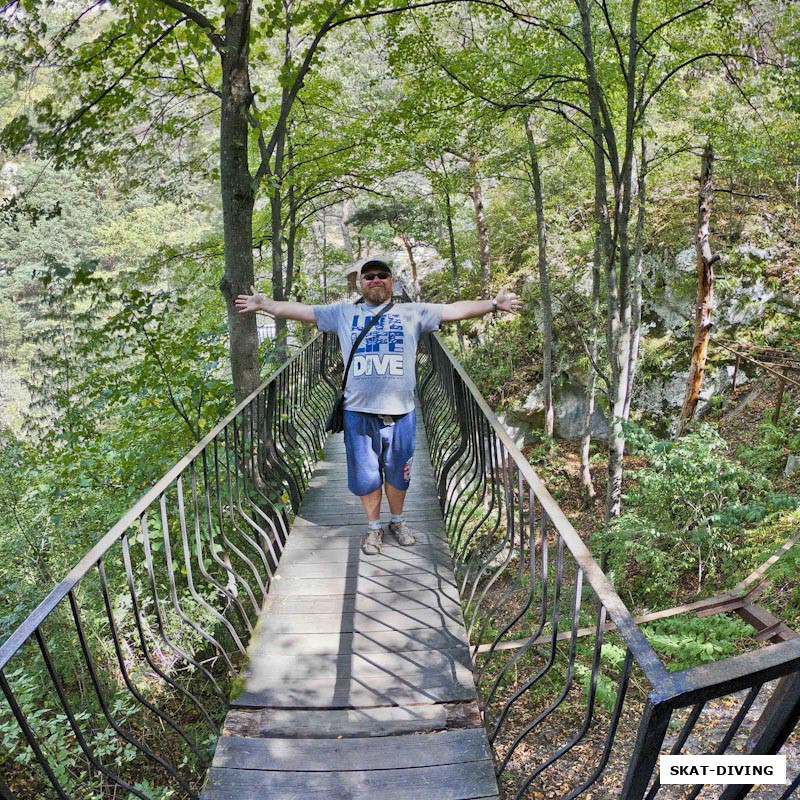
[[685, 642], [687, 509], [772, 445], [505, 366]]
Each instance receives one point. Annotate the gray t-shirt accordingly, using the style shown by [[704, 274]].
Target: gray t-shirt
[[382, 376]]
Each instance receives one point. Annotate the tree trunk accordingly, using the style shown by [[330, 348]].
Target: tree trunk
[[276, 223], [412, 262], [636, 294], [705, 292], [617, 342], [587, 485], [347, 241], [451, 238], [480, 225], [238, 200], [544, 284]]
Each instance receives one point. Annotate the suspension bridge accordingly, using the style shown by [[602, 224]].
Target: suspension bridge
[[227, 639]]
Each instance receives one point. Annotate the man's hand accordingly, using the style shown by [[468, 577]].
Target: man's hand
[[250, 302], [508, 301]]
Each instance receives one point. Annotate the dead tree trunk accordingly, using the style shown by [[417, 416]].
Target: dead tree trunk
[[451, 238], [413, 264], [705, 293]]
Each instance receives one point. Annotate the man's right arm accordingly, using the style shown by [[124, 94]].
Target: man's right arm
[[285, 309]]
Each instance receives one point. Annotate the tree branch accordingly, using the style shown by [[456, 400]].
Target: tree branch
[[190, 12]]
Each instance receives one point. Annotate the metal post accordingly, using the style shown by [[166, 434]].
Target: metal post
[[776, 722], [644, 758]]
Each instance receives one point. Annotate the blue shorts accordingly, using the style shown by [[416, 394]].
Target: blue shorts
[[377, 452]]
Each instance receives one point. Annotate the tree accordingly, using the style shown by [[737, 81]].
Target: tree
[[705, 291], [106, 54], [410, 220]]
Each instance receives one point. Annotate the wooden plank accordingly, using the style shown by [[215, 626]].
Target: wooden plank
[[332, 549], [366, 584], [349, 538], [349, 621], [317, 755], [350, 722], [430, 522], [362, 567], [350, 506], [332, 517], [443, 638], [447, 782], [358, 665], [304, 530], [382, 618], [378, 601], [379, 690]]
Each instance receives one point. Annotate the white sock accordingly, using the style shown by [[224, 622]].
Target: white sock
[[396, 519], [374, 524]]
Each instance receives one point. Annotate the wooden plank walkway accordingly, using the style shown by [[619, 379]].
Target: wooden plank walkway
[[359, 682]]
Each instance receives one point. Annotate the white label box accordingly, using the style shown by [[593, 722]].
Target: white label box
[[723, 769]]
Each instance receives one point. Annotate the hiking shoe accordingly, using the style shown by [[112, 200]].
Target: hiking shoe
[[373, 541], [404, 534]]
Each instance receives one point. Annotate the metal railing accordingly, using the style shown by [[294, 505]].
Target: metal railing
[[574, 697], [117, 684]]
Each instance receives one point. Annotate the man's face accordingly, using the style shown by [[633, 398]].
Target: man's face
[[376, 285]]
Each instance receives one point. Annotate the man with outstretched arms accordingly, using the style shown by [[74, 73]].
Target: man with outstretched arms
[[379, 416]]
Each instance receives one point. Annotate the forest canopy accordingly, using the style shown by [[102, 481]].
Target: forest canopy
[[161, 157]]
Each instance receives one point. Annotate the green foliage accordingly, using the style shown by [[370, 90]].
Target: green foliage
[[772, 444], [687, 510], [506, 361], [684, 642]]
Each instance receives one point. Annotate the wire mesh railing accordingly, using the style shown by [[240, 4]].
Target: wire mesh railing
[[117, 684], [575, 699]]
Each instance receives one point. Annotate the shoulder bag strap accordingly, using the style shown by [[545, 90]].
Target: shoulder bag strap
[[357, 342]]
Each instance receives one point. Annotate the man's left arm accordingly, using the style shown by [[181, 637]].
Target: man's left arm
[[466, 309]]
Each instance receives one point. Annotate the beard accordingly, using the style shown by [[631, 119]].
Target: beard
[[377, 295]]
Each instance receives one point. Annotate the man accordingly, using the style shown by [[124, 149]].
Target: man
[[379, 416]]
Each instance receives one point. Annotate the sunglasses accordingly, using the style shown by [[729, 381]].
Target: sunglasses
[[370, 276]]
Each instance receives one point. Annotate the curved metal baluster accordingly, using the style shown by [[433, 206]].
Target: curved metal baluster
[[123, 669], [126, 557], [622, 690], [542, 672], [254, 546], [174, 591], [126, 735], [201, 568], [30, 737], [179, 651], [234, 578], [73, 723], [237, 496], [587, 720]]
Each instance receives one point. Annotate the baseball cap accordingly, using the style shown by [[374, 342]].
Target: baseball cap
[[373, 263]]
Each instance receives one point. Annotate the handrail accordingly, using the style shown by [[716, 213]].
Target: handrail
[[622, 618], [157, 615], [536, 605], [26, 628]]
